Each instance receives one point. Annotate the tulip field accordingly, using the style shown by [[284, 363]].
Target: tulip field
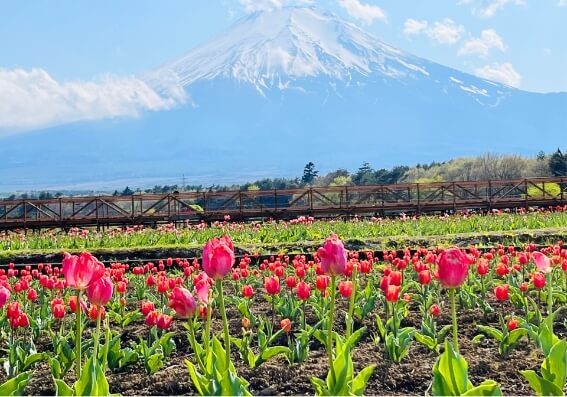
[[480, 319]]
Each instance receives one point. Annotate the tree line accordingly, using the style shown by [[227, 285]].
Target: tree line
[[484, 167]]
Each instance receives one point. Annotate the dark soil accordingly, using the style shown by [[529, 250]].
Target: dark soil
[[276, 377]]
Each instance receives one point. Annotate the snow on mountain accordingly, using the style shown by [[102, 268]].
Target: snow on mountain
[[275, 49]]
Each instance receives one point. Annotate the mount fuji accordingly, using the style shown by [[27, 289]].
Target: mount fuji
[[281, 88]]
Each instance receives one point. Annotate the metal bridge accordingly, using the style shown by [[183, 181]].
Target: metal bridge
[[379, 200]]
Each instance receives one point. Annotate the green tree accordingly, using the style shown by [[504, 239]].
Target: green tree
[[558, 164], [309, 173], [364, 175]]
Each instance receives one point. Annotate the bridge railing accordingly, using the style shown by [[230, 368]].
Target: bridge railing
[[284, 203]]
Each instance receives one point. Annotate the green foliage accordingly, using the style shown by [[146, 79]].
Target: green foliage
[[546, 190], [553, 372], [558, 163], [451, 378], [346, 383], [219, 377], [16, 385]]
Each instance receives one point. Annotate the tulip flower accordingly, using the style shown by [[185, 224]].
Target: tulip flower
[[345, 288], [512, 324], [285, 325], [393, 293], [333, 256], [452, 270], [182, 302], [538, 280], [164, 321], [272, 285], [542, 261], [100, 291], [218, 257], [245, 322], [58, 311], [151, 318], [147, 307], [543, 264], [435, 310], [247, 291], [4, 295], [501, 292], [303, 290], [80, 271], [424, 277]]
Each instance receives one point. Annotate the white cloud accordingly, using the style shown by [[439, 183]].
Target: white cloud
[[269, 5], [482, 45], [444, 32], [365, 13], [413, 27], [489, 8], [32, 99], [562, 3], [503, 73]]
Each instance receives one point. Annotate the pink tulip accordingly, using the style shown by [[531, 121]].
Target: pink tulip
[[202, 287], [542, 262], [453, 267], [182, 302], [100, 292], [218, 257], [4, 295], [333, 256], [80, 271]]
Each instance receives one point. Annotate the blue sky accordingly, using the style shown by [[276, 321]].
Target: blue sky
[[66, 45]]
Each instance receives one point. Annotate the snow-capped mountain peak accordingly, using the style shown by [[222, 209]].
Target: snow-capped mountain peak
[[266, 48]]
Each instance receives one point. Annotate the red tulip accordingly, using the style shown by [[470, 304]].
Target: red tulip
[[151, 318], [333, 256], [4, 295], [395, 278], [218, 257], [32, 294], [100, 292], [424, 277], [121, 287], [182, 302], [80, 271], [303, 290], [502, 269], [290, 282], [14, 310], [542, 262], [345, 288], [272, 285], [247, 291], [452, 268], [58, 310], [482, 268], [435, 310], [322, 282], [164, 321], [539, 280], [501, 292], [147, 307], [285, 324], [524, 287], [393, 293], [94, 310], [512, 324]]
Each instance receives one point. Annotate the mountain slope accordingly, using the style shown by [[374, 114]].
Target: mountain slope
[[279, 89]]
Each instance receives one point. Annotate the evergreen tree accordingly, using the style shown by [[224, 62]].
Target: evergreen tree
[[309, 173], [558, 164]]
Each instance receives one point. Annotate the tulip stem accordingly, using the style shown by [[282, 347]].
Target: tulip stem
[[97, 333], [194, 344], [207, 336], [550, 300], [454, 316], [330, 333], [78, 337], [224, 322], [350, 322]]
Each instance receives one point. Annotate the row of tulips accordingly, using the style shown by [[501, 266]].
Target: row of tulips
[[300, 229], [36, 302]]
